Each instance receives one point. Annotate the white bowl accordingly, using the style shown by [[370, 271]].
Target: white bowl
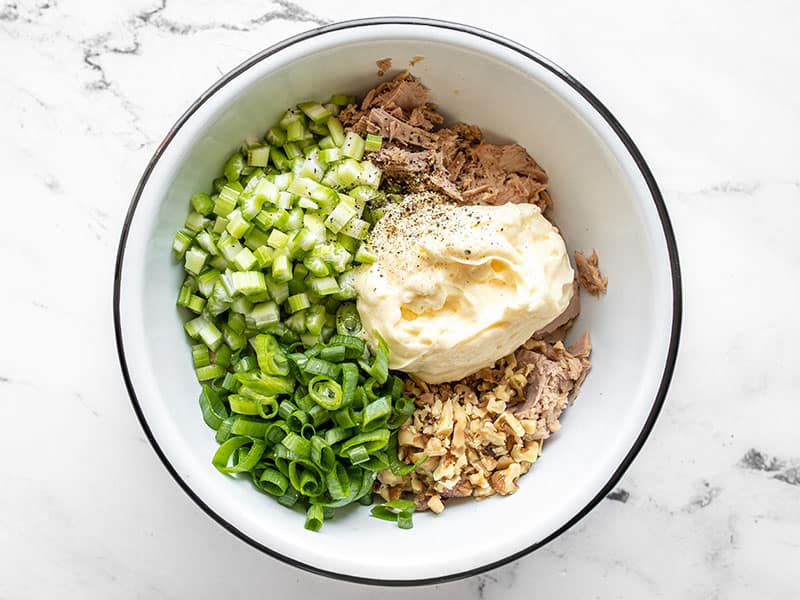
[[605, 197]]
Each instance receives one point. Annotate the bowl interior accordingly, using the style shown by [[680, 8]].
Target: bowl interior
[[601, 202]]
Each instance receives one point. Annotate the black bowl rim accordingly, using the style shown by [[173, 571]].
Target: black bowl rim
[[677, 303]]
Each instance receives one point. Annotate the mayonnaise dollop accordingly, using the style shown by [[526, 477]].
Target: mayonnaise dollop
[[455, 288]]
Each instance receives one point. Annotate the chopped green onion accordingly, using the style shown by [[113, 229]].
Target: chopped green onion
[[273, 482], [314, 517], [325, 391], [271, 358], [347, 320], [376, 414], [228, 450], [212, 407]]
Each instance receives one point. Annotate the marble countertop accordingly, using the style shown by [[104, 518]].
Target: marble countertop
[[711, 507]]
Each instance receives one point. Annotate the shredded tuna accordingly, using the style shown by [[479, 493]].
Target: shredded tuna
[[589, 274], [383, 65], [483, 432], [395, 129], [461, 164]]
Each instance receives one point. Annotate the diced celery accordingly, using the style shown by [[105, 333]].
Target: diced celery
[[348, 243], [184, 295], [298, 302], [281, 219], [264, 314], [370, 174], [296, 131], [242, 306], [206, 281], [234, 340], [315, 319], [251, 206], [292, 150], [295, 220], [336, 131], [282, 180], [218, 184], [195, 222], [264, 256], [244, 260], [229, 246], [265, 219], [364, 255], [202, 203], [285, 200], [353, 145], [277, 239], [195, 260], [324, 286], [220, 299], [206, 242], [220, 224], [308, 188], [181, 243], [307, 204], [347, 286], [279, 159], [339, 217], [237, 224], [249, 283], [291, 116], [356, 228], [196, 304], [234, 166], [220, 263], [281, 268], [276, 136], [315, 111], [266, 190], [316, 266], [342, 100], [330, 155], [344, 174], [312, 168], [372, 143], [297, 322], [200, 355], [318, 129], [226, 201], [258, 156], [278, 290], [255, 238], [201, 328]]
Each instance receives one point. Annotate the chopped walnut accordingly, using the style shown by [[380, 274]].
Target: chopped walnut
[[482, 433], [435, 503]]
